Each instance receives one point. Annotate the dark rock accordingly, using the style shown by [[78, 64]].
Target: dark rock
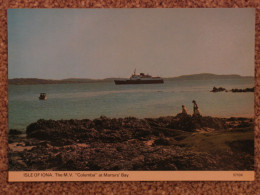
[[117, 130], [191, 123], [44, 144], [29, 143], [142, 134], [163, 141], [130, 144], [15, 132], [17, 165], [220, 89], [244, 90]]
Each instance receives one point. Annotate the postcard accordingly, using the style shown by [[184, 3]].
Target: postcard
[[131, 94]]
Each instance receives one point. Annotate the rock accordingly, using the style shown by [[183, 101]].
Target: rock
[[220, 89], [163, 141], [111, 130], [44, 144], [21, 144], [142, 133], [15, 132], [28, 143], [244, 90], [122, 144], [191, 123], [215, 89]]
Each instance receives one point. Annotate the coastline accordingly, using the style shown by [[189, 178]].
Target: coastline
[[180, 142], [201, 76]]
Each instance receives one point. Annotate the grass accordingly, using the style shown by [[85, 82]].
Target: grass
[[217, 141]]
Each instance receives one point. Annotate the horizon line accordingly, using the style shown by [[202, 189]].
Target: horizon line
[[128, 77]]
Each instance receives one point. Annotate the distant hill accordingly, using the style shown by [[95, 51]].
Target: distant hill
[[35, 81], [207, 76]]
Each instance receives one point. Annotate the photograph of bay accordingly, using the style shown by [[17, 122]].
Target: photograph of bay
[[131, 89]]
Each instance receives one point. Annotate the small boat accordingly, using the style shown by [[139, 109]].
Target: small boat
[[42, 96], [140, 79]]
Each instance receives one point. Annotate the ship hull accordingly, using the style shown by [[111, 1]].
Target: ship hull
[[129, 82]]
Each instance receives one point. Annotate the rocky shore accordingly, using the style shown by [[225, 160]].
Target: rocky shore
[[220, 89], [179, 142], [244, 90]]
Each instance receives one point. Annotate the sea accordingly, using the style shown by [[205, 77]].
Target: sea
[[92, 100]]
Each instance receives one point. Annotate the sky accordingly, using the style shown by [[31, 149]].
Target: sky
[[105, 43]]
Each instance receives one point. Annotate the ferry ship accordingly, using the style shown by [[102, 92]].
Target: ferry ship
[[140, 79]]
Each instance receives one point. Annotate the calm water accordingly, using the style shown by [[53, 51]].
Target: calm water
[[91, 100]]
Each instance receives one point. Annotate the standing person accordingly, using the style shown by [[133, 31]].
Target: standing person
[[184, 110], [196, 111]]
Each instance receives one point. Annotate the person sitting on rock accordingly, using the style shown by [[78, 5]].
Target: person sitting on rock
[[196, 111], [184, 110]]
